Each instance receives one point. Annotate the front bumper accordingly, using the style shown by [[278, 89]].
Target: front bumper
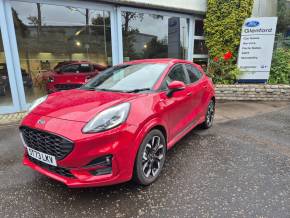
[[117, 143], [82, 177]]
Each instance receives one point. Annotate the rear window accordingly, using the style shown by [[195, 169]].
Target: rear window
[[193, 73], [75, 68]]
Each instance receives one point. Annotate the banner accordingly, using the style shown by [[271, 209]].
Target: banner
[[256, 49]]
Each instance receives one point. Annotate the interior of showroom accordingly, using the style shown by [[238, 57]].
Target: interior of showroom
[[39, 36]]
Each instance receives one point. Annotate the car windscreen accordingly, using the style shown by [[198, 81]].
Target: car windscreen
[[127, 78]]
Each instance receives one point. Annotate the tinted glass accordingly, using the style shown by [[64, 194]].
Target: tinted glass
[[69, 68], [5, 93], [199, 28], [193, 73], [177, 73], [51, 35], [75, 68], [200, 47], [128, 77], [154, 36]]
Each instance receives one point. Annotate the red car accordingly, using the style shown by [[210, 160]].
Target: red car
[[70, 75], [119, 125]]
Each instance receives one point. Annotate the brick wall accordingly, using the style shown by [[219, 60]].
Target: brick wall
[[262, 92]]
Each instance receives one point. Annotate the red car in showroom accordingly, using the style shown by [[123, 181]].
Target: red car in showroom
[[70, 75], [119, 125]]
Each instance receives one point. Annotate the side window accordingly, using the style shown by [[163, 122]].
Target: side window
[[193, 73], [177, 73]]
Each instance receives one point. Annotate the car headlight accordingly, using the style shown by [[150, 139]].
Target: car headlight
[[37, 102], [108, 119]]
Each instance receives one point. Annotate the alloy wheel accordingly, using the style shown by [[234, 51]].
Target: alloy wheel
[[152, 158], [210, 113]]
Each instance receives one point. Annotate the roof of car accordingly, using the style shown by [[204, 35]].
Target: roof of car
[[159, 60], [77, 62]]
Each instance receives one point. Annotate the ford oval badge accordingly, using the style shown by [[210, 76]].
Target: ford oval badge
[[252, 23]]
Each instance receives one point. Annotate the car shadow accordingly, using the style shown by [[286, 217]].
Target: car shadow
[[173, 153]]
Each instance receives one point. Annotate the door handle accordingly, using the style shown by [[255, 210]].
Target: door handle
[[189, 94]]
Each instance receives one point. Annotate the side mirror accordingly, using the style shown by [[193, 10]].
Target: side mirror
[[175, 86]]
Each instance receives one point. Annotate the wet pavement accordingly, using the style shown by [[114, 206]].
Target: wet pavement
[[239, 168]]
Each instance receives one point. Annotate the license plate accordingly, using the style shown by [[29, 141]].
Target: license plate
[[45, 158]]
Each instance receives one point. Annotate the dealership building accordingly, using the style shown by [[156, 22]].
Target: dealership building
[[36, 35]]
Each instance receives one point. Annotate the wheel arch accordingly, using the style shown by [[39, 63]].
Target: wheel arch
[[162, 129], [155, 123]]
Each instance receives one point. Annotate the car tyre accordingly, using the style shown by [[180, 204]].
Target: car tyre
[[150, 158], [209, 117]]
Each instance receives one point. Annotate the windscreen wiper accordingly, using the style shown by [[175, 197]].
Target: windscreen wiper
[[138, 90], [108, 90], [100, 89]]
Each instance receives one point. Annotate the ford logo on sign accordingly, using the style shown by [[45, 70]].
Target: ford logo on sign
[[252, 23]]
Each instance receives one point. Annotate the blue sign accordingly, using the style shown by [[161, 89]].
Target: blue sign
[[252, 23]]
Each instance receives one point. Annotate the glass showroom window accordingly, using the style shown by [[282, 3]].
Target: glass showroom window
[[5, 93], [198, 30], [153, 36], [51, 36], [200, 51], [200, 47]]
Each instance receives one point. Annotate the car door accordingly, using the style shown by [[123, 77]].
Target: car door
[[176, 107], [197, 88]]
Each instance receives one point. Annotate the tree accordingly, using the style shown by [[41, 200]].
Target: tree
[[129, 32], [36, 20], [156, 49], [283, 13]]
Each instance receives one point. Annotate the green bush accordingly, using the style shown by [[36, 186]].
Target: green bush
[[223, 26], [280, 70], [223, 71]]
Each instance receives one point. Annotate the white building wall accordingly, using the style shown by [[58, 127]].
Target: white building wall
[[189, 5], [265, 8], [262, 8]]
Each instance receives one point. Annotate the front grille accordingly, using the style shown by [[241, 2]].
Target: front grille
[[47, 143], [67, 86], [58, 170]]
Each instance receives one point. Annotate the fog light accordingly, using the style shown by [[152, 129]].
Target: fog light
[[100, 166], [104, 161], [101, 171]]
